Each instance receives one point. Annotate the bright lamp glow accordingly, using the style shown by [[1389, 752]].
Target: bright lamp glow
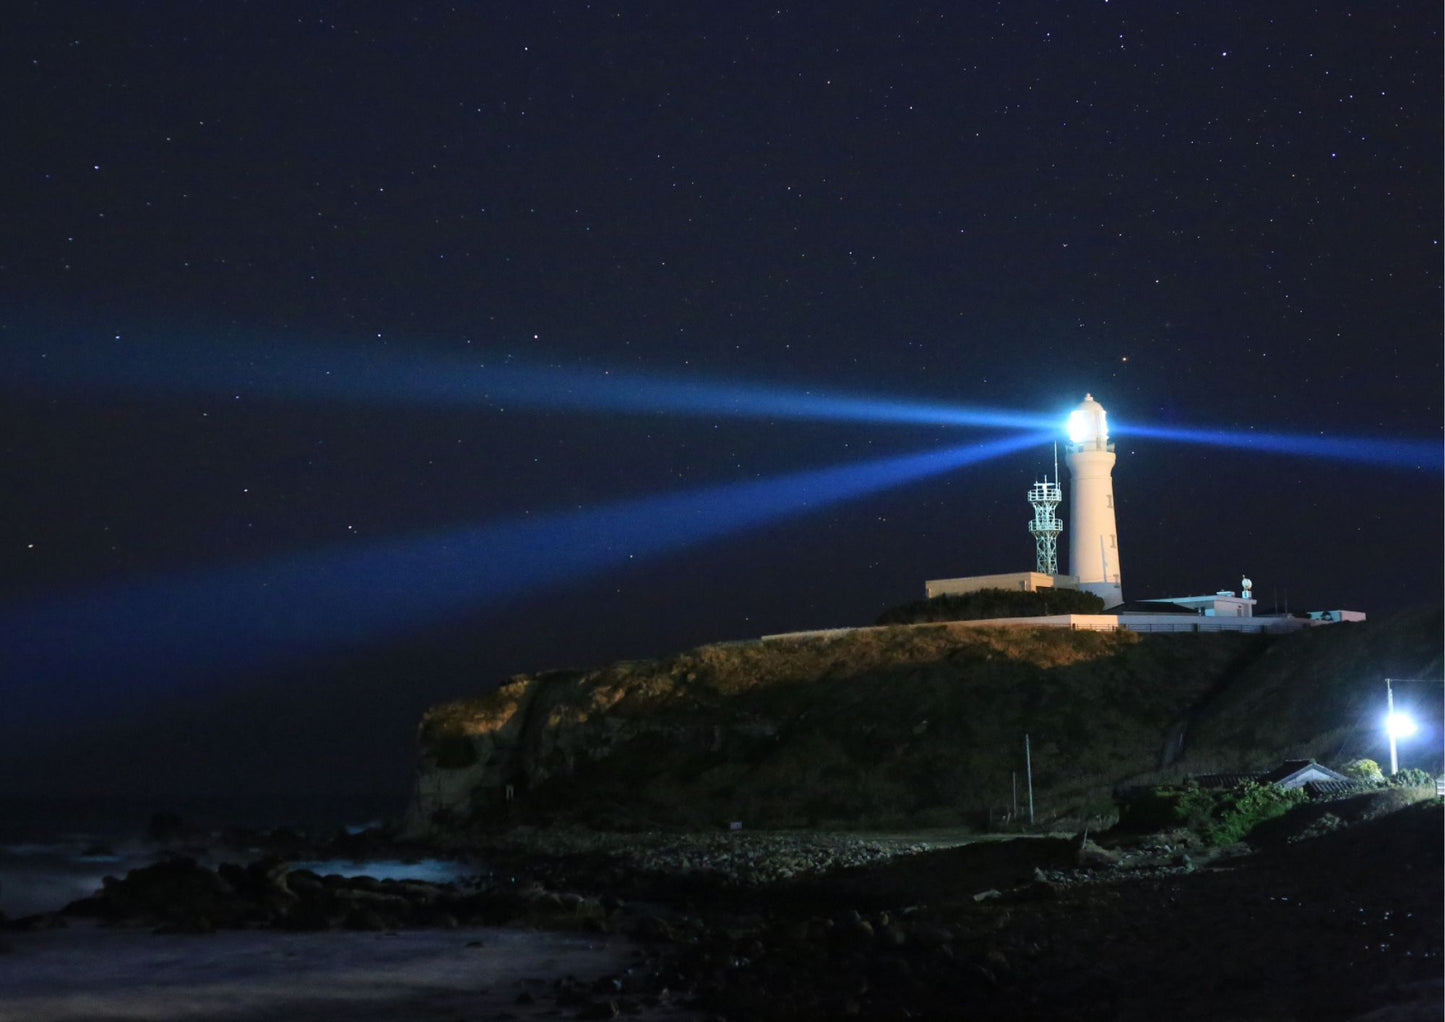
[[1401, 725], [1078, 426]]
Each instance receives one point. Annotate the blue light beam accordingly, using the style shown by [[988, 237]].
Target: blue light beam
[[116, 644], [1402, 454], [389, 377]]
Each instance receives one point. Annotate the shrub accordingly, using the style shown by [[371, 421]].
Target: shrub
[[1412, 777], [1224, 816], [989, 603], [1366, 770], [1221, 816]]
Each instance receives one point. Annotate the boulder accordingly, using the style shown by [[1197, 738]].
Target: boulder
[[1092, 856]]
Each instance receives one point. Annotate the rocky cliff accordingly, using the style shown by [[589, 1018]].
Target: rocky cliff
[[907, 724]]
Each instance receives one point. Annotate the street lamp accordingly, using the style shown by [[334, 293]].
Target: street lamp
[[1397, 725]]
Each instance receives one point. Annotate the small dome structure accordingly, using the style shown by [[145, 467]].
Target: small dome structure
[[1088, 423]]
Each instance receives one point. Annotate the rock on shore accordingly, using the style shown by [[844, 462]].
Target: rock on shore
[[179, 895]]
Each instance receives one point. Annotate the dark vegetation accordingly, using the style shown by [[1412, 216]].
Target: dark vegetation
[[916, 726], [1219, 816], [992, 603], [1411, 777], [906, 726], [1319, 694]]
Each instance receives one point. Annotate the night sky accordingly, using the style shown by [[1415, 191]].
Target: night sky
[[357, 355]]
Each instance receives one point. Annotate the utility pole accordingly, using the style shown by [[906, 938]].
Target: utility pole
[[1390, 727], [1029, 772]]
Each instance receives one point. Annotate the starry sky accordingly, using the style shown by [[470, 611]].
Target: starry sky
[[285, 285]]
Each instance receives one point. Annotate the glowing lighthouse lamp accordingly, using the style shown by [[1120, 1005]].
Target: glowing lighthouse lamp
[[1093, 535]]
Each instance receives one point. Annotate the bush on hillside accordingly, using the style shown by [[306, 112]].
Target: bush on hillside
[[1226, 816], [1364, 770], [991, 603], [1412, 777], [1221, 816]]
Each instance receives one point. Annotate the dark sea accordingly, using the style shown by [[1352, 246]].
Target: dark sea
[[55, 851]]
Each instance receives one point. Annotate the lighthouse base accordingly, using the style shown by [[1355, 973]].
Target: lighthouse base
[[1112, 593]]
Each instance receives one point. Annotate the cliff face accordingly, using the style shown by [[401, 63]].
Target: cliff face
[[885, 723], [1320, 694], [883, 726]]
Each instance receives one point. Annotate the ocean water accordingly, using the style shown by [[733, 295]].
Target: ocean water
[[88, 972], [45, 876], [53, 852]]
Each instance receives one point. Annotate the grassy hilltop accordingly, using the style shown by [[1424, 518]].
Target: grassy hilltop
[[916, 725]]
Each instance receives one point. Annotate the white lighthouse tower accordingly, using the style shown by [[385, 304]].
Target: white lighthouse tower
[[1093, 536]]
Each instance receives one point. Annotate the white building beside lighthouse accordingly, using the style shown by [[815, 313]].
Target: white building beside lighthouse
[[1093, 534]]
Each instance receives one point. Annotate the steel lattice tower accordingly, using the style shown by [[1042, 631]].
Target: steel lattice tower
[[1046, 527]]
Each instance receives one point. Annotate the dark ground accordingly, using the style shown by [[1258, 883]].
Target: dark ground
[[1326, 920], [1332, 912]]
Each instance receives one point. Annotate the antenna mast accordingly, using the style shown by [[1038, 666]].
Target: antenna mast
[[1046, 527]]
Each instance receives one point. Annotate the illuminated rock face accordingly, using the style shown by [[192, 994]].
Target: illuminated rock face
[[1093, 534], [872, 727]]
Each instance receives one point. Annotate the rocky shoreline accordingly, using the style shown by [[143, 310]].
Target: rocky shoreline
[[933, 924], [1302, 924]]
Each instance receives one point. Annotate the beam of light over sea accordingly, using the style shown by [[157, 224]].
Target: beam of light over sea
[[1396, 454], [385, 376], [119, 643]]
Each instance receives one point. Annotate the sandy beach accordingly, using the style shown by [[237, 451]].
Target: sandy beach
[[92, 972]]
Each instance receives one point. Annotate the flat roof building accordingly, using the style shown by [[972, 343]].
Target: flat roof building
[[1015, 581]]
